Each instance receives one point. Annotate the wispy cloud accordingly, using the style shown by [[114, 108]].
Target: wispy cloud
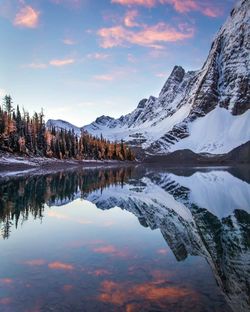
[[36, 65], [54, 62], [161, 75], [115, 74], [98, 56], [69, 41], [206, 7], [148, 36], [129, 19], [146, 3], [27, 17], [71, 3], [107, 77], [61, 62]]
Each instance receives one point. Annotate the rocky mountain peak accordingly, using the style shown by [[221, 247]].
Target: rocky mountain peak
[[103, 119], [174, 79]]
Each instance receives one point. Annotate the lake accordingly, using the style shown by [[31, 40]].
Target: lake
[[126, 239]]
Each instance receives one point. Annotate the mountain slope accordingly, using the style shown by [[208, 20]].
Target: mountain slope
[[205, 110]]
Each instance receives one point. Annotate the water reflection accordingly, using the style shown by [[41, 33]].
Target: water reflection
[[199, 213]]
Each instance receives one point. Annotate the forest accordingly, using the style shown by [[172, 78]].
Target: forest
[[23, 134]]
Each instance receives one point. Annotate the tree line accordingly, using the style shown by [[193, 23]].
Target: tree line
[[24, 134]]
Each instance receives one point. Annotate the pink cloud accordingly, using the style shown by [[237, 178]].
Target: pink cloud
[[61, 62], [182, 6], [149, 36], [146, 3], [129, 19], [27, 17]]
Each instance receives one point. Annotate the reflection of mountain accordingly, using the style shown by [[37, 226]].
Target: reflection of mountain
[[199, 213]]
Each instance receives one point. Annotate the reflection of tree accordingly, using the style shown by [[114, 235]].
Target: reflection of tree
[[22, 197]]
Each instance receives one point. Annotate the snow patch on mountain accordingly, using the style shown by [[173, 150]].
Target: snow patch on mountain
[[64, 125], [217, 133]]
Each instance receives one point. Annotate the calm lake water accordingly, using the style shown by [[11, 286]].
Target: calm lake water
[[126, 239]]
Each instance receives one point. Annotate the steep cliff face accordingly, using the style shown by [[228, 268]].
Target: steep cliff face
[[206, 111], [223, 82]]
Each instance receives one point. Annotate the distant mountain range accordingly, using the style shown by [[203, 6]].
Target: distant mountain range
[[205, 111]]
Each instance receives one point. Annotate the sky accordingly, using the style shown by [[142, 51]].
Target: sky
[[80, 59]]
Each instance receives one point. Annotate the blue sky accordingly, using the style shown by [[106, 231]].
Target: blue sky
[[79, 59]]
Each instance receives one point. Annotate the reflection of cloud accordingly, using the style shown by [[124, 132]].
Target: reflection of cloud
[[61, 216], [5, 300], [162, 251], [35, 262], [67, 288], [121, 293], [6, 281], [98, 272], [60, 266], [27, 17], [105, 249], [79, 244], [112, 250]]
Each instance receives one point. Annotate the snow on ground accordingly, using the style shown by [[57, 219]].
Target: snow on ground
[[15, 160], [217, 133]]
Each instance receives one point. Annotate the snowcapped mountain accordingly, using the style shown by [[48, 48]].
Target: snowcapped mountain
[[61, 124], [206, 111]]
